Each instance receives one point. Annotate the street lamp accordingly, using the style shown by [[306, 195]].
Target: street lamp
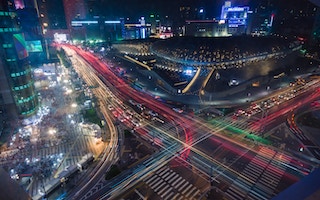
[[74, 105], [52, 131]]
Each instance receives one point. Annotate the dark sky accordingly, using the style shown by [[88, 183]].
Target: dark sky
[[136, 8]]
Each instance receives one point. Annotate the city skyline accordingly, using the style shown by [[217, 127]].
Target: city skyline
[[160, 100]]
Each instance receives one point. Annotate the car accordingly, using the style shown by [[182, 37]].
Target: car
[[152, 113], [143, 114], [158, 120], [115, 113], [127, 116], [132, 102], [129, 112], [135, 122], [110, 107], [178, 110], [241, 112], [121, 118], [140, 106]]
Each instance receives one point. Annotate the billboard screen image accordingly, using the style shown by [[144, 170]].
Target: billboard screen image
[[34, 46], [20, 45]]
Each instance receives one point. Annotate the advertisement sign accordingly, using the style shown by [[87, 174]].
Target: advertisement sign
[[34, 46], [20, 45]]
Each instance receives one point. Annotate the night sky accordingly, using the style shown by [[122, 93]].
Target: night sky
[[136, 8]]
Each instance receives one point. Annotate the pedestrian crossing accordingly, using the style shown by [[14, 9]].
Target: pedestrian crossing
[[240, 124], [170, 185], [71, 156], [260, 177]]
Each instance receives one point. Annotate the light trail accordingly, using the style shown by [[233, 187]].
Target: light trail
[[197, 127]]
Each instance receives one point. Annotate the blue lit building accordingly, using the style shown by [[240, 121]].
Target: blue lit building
[[236, 17], [96, 29], [30, 25], [109, 30], [140, 30], [17, 94]]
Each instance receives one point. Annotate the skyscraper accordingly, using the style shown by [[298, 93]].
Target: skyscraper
[[52, 16], [30, 25], [74, 9], [17, 94]]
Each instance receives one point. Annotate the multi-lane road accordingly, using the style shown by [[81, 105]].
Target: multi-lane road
[[240, 170]]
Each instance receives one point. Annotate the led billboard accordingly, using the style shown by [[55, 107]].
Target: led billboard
[[20, 45], [34, 46]]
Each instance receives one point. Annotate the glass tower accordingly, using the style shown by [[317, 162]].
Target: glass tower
[[17, 94]]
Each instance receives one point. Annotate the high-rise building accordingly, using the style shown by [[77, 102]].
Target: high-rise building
[[29, 21], [17, 94], [236, 17], [93, 8], [262, 18], [315, 35], [52, 17], [206, 28], [316, 28], [294, 19], [74, 9], [201, 13]]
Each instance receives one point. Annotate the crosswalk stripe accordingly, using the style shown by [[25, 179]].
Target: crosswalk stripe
[[253, 196], [164, 171], [267, 183], [269, 179], [264, 188], [165, 175], [154, 181], [161, 169], [252, 175], [180, 183], [163, 195], [271, 175], [262, 158], [263, 194], [189, 193], [236, 190], [184, 185], [158, 183], [233, 195], [240, 182], [177, 180], [173, 178], [176, 196], [163, 189], [181, 198], [252, 167], [160, 186], [187, 188], [148, 179], [259, 162]]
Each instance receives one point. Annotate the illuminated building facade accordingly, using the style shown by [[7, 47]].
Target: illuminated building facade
[[263, 17], [206, 28], [52, 17], [17, 94], [97, 29], [140, 30], [155, 23], [316, 28], [74, 9], [30, 25], [236, 17], [315, 35]]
